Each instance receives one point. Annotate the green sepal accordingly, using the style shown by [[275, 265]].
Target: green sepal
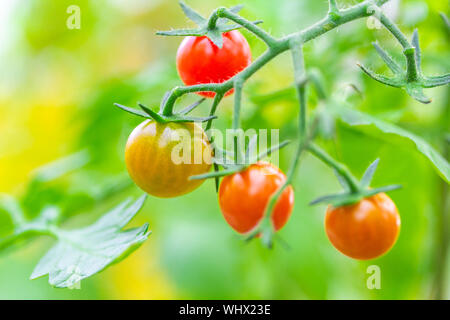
[[434, 81], [150, 114], [412, 79], [349, 198], [192, 14], [394, 66], [192, 106], [415, 90], [221, 26], [368, 175], [217, 174], [135, 112]]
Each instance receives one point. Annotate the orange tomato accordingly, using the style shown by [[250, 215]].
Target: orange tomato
[[160, 157], [243, 197], [364, 230]]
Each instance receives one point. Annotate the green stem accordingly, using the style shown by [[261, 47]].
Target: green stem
[[177, 92], [412, 73], [265, 225], [333, 7], [392, 28], [213, 19], [339, 167], [218, 97]]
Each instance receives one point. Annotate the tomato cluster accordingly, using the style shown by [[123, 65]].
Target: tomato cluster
[[364, 230]]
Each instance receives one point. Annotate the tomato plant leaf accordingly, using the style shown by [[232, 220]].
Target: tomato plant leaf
[[84, 252], [358, 118]]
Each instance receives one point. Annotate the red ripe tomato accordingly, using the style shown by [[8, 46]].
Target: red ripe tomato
[[364, 230], [199, 60], [243, 197]]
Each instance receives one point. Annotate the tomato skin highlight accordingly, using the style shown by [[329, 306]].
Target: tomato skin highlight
[[200, 61], [148, 157], [243, 197], [365, 230]]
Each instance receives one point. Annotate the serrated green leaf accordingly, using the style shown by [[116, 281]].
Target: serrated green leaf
[[357, 118], [368, 175], [84, 252]]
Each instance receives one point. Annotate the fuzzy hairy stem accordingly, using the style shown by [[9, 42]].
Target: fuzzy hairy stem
[[265, 226]]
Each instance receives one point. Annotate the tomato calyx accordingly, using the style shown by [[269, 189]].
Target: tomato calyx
[[212, 27], [411, 79], [352, 195], [181, 116], [233, 162]]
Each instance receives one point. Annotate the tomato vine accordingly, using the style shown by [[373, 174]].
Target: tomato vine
[[411, 79]]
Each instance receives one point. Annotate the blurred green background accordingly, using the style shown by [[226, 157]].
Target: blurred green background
[[57, 89]]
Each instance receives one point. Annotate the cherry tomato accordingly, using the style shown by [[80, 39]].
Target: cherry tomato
[[199, 60], [364, 230], [161, 157], [243, 197]]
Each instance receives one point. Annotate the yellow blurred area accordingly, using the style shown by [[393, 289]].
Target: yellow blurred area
[[39, 121], [139, 277], [31, 136]]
